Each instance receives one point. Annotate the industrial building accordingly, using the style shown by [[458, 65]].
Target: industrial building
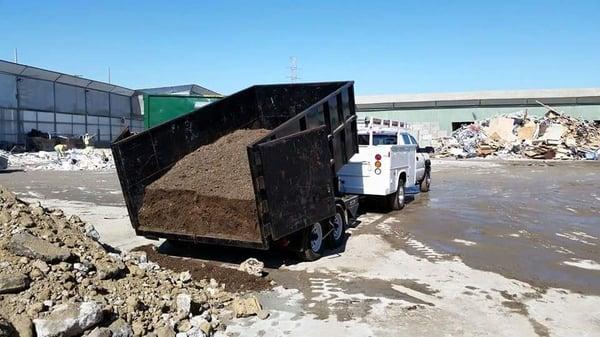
[[61, 105], [442, 113]]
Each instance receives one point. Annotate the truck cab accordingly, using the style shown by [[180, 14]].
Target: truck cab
[[388, 161]]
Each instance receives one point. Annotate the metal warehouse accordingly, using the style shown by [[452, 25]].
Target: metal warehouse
[[443, 112], [59, 104]]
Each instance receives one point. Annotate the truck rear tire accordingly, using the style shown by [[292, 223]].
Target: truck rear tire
[[338, 229], [426, 182], [397, 200], [313, 243]]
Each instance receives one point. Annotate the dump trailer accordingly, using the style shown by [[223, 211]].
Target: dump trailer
[[312, 134]]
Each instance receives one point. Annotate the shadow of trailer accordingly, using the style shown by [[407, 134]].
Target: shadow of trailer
[[293, 168]]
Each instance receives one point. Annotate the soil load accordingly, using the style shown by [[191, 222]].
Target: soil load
[[207, 193]]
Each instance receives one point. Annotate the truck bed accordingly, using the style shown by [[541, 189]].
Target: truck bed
[[293, 167]]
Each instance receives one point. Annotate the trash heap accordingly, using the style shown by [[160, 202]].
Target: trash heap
[[74, 160], [56, 279], [519, 136]]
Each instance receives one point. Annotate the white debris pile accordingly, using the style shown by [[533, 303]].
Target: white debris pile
[[73, 160], [515, 136]]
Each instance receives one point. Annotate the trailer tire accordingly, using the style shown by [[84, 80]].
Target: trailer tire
[[397, 200], [313, 243], [338, 229], [426, 182]]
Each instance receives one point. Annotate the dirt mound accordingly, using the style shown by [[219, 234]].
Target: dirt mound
[[209, 192], [233, 279]]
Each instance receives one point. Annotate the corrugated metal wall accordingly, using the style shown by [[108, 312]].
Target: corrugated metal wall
[[62, 110]]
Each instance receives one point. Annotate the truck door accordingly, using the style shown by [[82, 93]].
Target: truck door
[[419, 161], [298, 181]]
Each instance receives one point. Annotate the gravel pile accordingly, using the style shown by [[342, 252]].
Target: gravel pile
[[56, 279]]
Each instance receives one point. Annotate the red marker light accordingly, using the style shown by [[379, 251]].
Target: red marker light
[[378, 157]]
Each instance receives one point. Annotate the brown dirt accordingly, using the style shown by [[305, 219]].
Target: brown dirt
[[207, 193], [234, 280]]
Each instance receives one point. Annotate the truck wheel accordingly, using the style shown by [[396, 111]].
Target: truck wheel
[[426, 182], [397, 200], [313, 243], [338, 228]]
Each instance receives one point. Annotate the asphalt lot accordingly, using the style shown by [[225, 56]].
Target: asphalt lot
[[502, 249]]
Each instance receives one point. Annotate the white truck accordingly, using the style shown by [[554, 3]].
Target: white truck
[[388, 161]]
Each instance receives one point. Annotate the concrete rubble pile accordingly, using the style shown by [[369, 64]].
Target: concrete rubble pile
[[56, 279], [519, 136], [74, 160]]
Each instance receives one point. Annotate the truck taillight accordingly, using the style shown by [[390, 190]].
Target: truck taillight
[[378, 157]]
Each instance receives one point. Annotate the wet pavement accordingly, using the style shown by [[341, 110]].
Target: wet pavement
[[494, 249]]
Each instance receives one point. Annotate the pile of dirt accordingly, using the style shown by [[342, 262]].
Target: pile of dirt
[[209, 192], [56, 279], [233, 279]]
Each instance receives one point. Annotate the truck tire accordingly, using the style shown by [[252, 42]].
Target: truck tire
[[397, 200], [338, 229], [425, 182], [313, 243]]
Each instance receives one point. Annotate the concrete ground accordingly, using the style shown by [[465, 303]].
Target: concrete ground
[[494, 249]]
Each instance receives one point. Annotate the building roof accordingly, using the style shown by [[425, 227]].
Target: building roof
[[480, 98], [53, 76], [187, 89]]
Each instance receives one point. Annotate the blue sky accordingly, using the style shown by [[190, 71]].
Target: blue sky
[[385, 46]]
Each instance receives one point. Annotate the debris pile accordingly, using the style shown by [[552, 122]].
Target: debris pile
[[56, 279], [73, 160], [519, 136]]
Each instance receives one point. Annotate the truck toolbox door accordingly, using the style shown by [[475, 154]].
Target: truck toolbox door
[[298, 181]]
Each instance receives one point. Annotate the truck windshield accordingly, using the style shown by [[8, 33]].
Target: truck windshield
[[363, 139], [385, 140]]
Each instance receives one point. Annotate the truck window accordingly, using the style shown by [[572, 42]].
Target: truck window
[[412, 140], [385, 139], [406, 139], [363, 139]]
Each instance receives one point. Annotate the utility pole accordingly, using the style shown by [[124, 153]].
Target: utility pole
[[16, 56], [293, 69]]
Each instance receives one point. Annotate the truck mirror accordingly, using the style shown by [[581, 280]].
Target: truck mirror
[[427, 149]]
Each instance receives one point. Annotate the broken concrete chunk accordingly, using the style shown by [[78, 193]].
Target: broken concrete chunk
[[252, 266], [22, 325], [14, 283], [25, 244], [100, 332], [108, 269], [26, 221], [244, 307], [120, 328], [68, 320], [41, 265], [183, 303], [165, 331]]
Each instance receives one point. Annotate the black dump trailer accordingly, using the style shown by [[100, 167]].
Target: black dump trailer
[[313, 133]]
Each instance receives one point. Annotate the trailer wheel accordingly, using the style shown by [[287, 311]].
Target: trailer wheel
[[426, 182], [397, 200], [338, 228], [313, 243]]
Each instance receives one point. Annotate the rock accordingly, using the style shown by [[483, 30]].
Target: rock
[[244, 307], [68, 320], [185, 276], [7, 329], [197, 321], [181, 334], [25, 221], [100, 332], [183, 303], [91, 232], [263, 314], [25, 244], [165, 331], [41, 265], [138, 329], [120, 328], [10, 284], [110, 269], [196, 332], [206, 328], [22, 325], [37, 209], [4, 217], [252, 266], [183, 325]]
